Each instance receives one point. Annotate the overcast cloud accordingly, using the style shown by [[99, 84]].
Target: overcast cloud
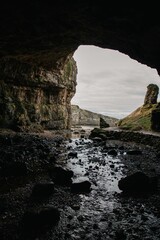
[[110, 82]]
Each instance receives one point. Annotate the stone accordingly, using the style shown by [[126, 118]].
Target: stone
[[103, 123], [42, 190], [112, 152], [97, 139], [81, 187], [72, 155], [37, 220], [75, 207], [138, 182], [61, 176], [151, 94]]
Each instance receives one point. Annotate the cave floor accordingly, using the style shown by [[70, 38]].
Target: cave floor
[[103, 213]]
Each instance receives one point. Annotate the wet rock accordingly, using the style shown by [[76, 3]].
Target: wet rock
[[102, 136], [134, 152], [80, 218], [82, 131], [82, 136], [81, 187], [42, 190], [112, 166], [72, 155], [137, 183], [95, 226], [75, 207], [112, 152], [121, 148], [61, 176], [97, 139], [37, 220]]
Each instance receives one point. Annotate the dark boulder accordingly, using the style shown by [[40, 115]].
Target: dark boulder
[[112, 152], [38, 220], [61, 176], [42, 190], [137, 183], [97, 139], [72, 155], [81, 187]]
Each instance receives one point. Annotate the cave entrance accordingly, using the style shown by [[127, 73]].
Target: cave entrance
[[109, 82]]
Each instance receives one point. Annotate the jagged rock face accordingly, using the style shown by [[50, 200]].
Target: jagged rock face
[[151, 94], [33, 98], [84, 117]]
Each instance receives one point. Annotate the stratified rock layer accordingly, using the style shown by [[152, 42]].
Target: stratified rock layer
[[34, 98]]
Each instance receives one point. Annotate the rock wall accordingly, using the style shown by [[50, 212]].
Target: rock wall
[[85, 117], [33, 98]]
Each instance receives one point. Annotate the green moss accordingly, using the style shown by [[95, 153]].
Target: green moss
[[69, 69], [139, 119]]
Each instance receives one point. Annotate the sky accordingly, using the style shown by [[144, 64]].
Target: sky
[[109, 82]]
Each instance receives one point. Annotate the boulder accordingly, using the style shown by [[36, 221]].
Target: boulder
[[72, 155], [138, 182], [42, 190], [61, 176], [112, 152], [38, 220], [81, 187]]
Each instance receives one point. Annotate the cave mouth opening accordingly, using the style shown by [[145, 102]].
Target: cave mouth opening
[[109, 82]]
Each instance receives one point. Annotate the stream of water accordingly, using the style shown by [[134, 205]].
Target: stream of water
[[102, 213]]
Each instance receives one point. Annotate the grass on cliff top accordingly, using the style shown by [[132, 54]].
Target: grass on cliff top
[[140, 119]]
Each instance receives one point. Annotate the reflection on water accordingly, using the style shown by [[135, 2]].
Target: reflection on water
[[102, 170]]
